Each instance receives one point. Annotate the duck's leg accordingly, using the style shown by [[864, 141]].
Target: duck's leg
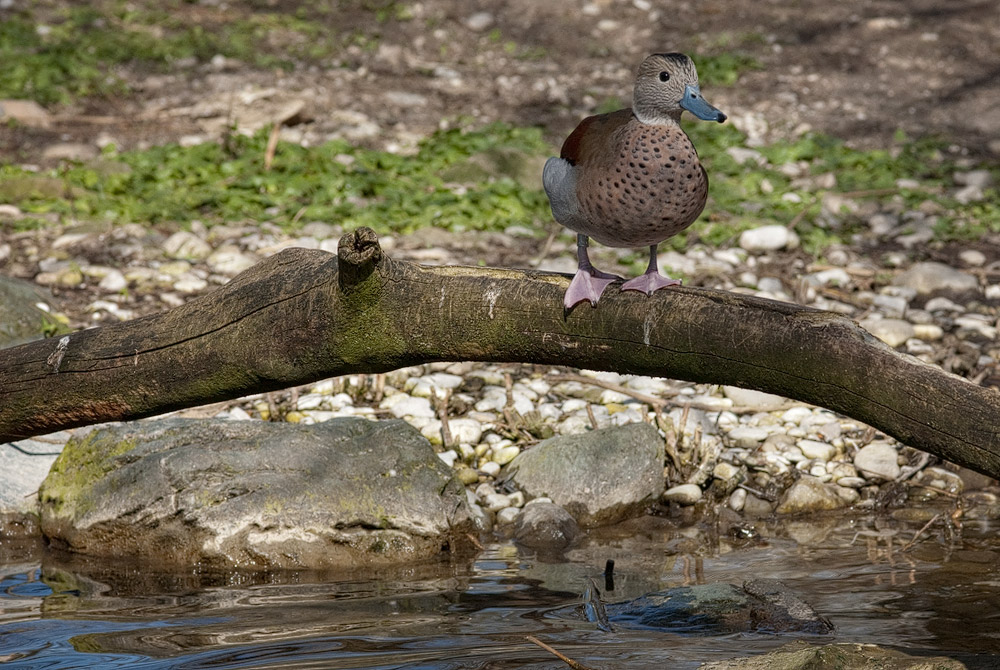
[[651, 279], [589, 282]]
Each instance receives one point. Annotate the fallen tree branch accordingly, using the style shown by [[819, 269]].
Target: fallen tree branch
[[304, 315]]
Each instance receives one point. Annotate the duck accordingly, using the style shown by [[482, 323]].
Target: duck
[[632, 178]]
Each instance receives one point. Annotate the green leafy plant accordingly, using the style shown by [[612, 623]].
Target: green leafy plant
[[456, 180]]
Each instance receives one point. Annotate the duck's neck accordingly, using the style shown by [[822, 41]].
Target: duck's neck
[[658, 117]]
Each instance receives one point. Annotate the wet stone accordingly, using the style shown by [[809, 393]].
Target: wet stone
[[349, 492], [763, 605], [545, 526]]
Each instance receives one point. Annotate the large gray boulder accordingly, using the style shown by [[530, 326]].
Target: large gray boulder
[[345, 493], [599, 477]]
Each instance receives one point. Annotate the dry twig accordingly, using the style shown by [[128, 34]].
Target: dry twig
[[442, 411], [272, 146], [576, 665], [908, 545]]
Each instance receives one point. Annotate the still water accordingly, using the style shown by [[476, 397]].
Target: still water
[[939, 596]]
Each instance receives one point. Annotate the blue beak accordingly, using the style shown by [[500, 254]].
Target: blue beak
[[694, 103]]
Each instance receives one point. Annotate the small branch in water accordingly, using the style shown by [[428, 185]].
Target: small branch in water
[[908, 545], [576, 665]]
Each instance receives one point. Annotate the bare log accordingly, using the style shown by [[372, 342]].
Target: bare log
[[302, 315]]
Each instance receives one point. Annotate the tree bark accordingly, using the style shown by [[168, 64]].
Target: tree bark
[[302, 315]]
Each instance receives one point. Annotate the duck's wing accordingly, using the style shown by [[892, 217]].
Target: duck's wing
[[593, 134]]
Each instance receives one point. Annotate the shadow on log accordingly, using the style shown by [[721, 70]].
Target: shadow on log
[[304, 315]]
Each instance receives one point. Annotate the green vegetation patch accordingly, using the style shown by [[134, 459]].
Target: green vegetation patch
[[54, 54], [912, 175], [490, 179], [81, 463], [485, 179], [723, 69]]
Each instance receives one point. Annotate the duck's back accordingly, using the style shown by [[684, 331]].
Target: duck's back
[[636, 184]]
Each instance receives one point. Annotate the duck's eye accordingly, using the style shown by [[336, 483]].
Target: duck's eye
[[664, 76]]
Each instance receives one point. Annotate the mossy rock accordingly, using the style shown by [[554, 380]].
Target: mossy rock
[[345, 493]]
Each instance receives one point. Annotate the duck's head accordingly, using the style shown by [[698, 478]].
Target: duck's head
[[665, 86]]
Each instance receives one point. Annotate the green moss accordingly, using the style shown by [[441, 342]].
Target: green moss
[[81, 463]]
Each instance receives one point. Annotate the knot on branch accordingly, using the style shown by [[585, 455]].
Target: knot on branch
[[357, 256]]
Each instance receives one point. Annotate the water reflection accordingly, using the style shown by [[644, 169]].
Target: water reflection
[[942, 595]]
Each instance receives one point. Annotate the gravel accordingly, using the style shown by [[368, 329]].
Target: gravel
[[944, 314]]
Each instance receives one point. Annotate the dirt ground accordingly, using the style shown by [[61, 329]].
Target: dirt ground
[[858, 70]]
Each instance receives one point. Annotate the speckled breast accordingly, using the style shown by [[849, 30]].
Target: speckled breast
[[652, 188]]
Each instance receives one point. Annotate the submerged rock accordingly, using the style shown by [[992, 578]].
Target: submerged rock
[[760, 605], [545, 526], [348, 492], [800, 655], [599, 477]]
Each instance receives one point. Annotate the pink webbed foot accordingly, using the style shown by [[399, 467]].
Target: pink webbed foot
[[649, 282], [587, 286]]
